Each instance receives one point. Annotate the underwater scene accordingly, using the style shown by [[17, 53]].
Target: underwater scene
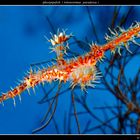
[[69, 70]]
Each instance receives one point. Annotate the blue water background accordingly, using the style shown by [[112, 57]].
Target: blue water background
[[22, 42]]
